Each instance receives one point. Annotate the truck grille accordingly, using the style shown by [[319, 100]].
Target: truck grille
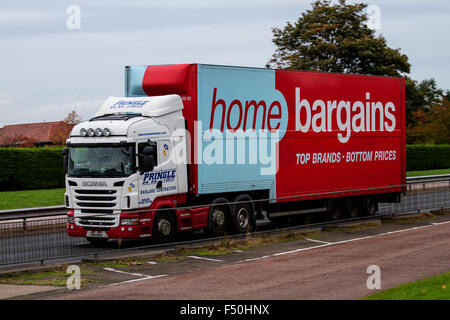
[[96, 198], [97, 209]]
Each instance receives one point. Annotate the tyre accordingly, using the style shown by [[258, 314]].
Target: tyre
[[243, 219], [335, 209], [370, 207], [219, 216], [353, 208], [164, 227]]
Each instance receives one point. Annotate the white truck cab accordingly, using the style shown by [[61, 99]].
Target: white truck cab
[[120, 161]]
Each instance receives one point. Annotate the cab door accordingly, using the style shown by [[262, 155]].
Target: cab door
[[162, 180]]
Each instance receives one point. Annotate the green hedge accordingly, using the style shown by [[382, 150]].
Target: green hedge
[[42, 168], [427, 157], [31, 168]]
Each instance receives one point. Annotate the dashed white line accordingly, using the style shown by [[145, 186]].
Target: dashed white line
[[314, 240], [135, 280], [328, 244], [143, 277], [124, 272], [203, 258], [438, 223]]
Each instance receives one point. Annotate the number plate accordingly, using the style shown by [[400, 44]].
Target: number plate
[[96, 234]]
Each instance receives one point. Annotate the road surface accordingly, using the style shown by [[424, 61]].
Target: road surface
[[325, 269]]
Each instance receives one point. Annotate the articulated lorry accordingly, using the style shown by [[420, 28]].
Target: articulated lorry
[[196, 146]]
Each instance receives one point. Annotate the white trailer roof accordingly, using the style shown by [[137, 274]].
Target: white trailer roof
[[147, 106]]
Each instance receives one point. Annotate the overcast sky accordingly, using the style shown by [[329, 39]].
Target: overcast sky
[[48, 70]]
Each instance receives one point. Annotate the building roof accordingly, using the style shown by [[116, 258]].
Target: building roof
[[29, 133]]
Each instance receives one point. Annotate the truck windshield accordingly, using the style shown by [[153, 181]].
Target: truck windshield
[[101, 161]]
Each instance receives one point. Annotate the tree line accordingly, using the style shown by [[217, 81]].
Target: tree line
[[336, 37]]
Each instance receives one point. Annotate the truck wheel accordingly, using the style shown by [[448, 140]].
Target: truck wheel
[[164, 228], [243, 214], [353, 208], [243, 218], [335, 210], [219, 215], [370, 207]]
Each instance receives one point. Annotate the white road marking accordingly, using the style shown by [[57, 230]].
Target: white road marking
[[438, 223], [314, 240], [253, 259], [142, 277], [328, 244], [124, 272], [135, 280], [203, 258]]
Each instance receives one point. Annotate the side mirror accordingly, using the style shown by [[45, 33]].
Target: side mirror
[[148, 162], [65, 153], [148, 157], [149, 150]]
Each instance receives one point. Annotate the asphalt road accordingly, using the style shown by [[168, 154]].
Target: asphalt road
[[330, 269], [52, 245]]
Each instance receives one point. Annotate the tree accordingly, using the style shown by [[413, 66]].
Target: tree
[[439, 124], [419, 99], [431, 126], [335, 38], [61, 132]]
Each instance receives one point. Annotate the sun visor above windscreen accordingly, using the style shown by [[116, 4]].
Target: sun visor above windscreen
[[146, 106]]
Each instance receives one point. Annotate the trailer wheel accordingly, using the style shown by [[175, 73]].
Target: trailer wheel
[[243, 218], [370, 207], [335, 210], [219, 215], [164, 228], [353, 208]]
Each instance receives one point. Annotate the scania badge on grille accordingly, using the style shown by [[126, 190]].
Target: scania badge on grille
[[94, 184]]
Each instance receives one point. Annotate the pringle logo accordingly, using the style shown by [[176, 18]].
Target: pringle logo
[[128, 104], [343, 116]]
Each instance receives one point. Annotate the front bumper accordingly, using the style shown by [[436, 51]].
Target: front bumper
[[120, 232]]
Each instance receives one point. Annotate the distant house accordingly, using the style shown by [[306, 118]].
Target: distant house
[[34, 134]]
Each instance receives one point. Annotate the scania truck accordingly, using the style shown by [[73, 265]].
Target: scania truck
[[195, 146]]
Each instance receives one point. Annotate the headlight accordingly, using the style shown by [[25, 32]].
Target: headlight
[[106, 132], [98, 132], [129, 221]]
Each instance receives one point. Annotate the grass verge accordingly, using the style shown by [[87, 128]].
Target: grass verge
[[434, 288], [227, 246], [427, 172], [31, 198], [57, 277], [353, 227]]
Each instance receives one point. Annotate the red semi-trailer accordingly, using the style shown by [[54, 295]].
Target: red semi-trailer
[[217, 147]]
